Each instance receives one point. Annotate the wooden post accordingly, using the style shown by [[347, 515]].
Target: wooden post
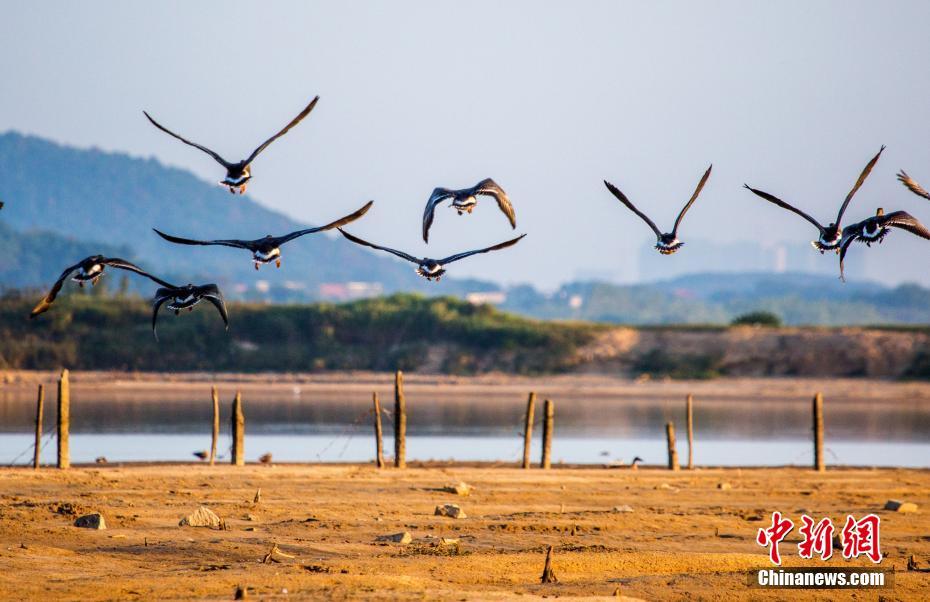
[[40, 402], [238, 431], [819, 464], [216, 424], [548, 419], [672, 452], [64, 420], [689, 403], [400, 422], [528, 429], [548, 576], [379, 444]]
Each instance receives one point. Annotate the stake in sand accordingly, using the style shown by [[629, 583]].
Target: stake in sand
[[400, 422], [216, 424], [819, 464], [528, 429], [37, 452], [548, 423], [64, 420], [238, 431], [672, 452], [379, 443]]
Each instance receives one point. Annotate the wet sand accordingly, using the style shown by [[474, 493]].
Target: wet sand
[[684, 539]]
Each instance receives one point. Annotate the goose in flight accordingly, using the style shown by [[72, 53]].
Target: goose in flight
[[876, 228], [267, 249], [912, 185], [89, 269], [666, 243], [186, 297], [465, 200], [238, 174], [831, 235], [431, 269]]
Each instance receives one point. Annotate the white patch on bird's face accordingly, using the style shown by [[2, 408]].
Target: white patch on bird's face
[[464, 203]]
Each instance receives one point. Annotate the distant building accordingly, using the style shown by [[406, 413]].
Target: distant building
[[486, 298], [347, 291]]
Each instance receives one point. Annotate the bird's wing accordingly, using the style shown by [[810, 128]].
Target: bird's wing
[[359, 241], [693, 198], [490, 188], [122, 264], [438, 196], [622, 198], [46, 303], [161, 296], [212, 293], [850, 233], [215, 156], [905, 221], [912, 185], [777, 201], [342, 221], [239, 244], [502, 245], [293, 122], [865, 173]]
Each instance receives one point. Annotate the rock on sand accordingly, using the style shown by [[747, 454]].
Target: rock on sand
[[91, 521], [450, 510], [202, 517]]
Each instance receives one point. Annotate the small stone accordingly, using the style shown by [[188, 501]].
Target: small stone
[[724, 486], [202, 517], [403, 537], [449, 541], [623, 508], [450, 510], [241, 593], [663, 486], [461, 488], [91, 521], [899, 506]]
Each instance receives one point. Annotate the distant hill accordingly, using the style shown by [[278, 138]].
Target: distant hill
[[115, 200]]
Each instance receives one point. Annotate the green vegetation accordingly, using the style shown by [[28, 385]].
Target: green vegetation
[[403, 331], [758, 318]]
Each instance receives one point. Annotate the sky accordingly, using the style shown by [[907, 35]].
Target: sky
[[548, 98]]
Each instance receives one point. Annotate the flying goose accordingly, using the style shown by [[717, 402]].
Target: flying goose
[[89, 269], [830, 235], [431, 268], [666, 243], [267, 249], [465, 200], [876, 228], [912, 185], [186, 297], [238, 174]]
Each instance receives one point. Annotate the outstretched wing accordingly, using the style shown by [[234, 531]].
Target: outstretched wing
[[293, 122], [912, 185], [161, 296], [438, 196], [502, 245], [489, 187], [342, 221], [215, 156], [865, 173], [46, 303], [777, 201], [212, 293], [122, 264], [239, 244], [622, 198], [693, 198], [359, 241], [905, 221]]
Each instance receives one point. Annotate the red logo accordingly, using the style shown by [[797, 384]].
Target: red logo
[[861, 537], [772, 536], [817, 538]]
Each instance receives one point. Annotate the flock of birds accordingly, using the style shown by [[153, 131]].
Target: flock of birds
[[832, 237]]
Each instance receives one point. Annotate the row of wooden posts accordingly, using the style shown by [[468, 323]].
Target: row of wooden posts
[[400, 428]]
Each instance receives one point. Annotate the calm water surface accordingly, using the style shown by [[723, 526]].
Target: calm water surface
[[333, 428]]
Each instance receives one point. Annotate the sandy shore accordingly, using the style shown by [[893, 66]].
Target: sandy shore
[[685, 537]]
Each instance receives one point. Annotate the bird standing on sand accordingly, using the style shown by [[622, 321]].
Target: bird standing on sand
[[830, 235], [431, 269], [666, 242], [876, 228], [267, 249], [238, 174], [465, 200], [186, 297], [89, 269]]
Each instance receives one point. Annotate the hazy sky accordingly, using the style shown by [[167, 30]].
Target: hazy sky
[[548, 98]]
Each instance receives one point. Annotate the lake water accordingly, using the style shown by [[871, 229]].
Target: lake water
[[457, 426]]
